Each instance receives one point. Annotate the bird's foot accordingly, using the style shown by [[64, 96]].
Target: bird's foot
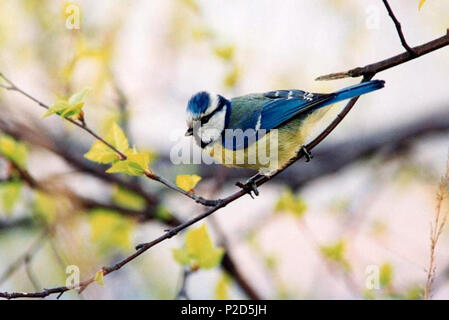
[[307, 154], [249, 186]]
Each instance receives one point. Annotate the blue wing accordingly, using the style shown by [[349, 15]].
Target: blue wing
[[288, 105], [264, 112], [277, 108]]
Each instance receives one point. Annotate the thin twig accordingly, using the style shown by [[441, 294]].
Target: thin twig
[[151, 175], [436, 229], [30, 273], [182, 291], [398, 28]]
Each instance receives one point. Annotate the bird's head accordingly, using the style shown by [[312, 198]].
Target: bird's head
[[207, 117]]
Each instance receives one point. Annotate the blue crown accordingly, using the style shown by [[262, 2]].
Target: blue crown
[[198, 103]]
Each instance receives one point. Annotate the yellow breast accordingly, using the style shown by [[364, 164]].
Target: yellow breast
[[273, 150]]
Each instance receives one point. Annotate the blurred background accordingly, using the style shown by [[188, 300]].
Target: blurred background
[[364, 204]]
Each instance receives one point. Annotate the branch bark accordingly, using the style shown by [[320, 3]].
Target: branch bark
[[383, 65]]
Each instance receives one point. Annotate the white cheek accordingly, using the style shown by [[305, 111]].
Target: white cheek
[[213, 104], [212, 130]]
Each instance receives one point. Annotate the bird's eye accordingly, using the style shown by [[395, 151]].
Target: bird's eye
[[206, 119]]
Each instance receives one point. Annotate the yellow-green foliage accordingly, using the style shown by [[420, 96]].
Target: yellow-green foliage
[[71, 107], [288, 202], [127, 199], [110, 230], [99, 277], [221, 291], [101, 153], [199, 251], [135, 164], [336, 253], [13, 150], [187, 182], [9, 195], [386, 275]]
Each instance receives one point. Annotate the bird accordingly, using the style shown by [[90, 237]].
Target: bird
[[234, 131]]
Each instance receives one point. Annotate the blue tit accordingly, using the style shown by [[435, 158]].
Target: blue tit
[[234, 131]]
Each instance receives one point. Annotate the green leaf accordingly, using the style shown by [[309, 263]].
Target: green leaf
[[9, 194], [13, 150], [117, 138], [199, 250], [128, 167], [102, 153], [68, 108], [222, 288], [135, 164], [127, 199], [386, 275], [110, 230], [72, 110], [125, 167], [78, 97], [289, 203], [199, 246], [99, 277], [181, 256], [57, 108], [187, 182]]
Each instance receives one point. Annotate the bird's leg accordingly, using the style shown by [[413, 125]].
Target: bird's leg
[[307, 154], [251, 185]]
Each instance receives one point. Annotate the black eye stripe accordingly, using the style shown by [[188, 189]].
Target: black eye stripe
[[206, 119]]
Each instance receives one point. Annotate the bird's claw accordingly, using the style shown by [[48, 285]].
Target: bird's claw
[[307, 154], [250, 186]]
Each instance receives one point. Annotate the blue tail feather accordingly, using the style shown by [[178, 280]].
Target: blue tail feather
[[356, 90]]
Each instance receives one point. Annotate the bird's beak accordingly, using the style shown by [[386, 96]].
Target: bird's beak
[[189, 132]]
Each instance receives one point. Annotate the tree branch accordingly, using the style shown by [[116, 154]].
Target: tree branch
[[17, 223], [22, 132], [149, 174], [390, 62], [221, 203]]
